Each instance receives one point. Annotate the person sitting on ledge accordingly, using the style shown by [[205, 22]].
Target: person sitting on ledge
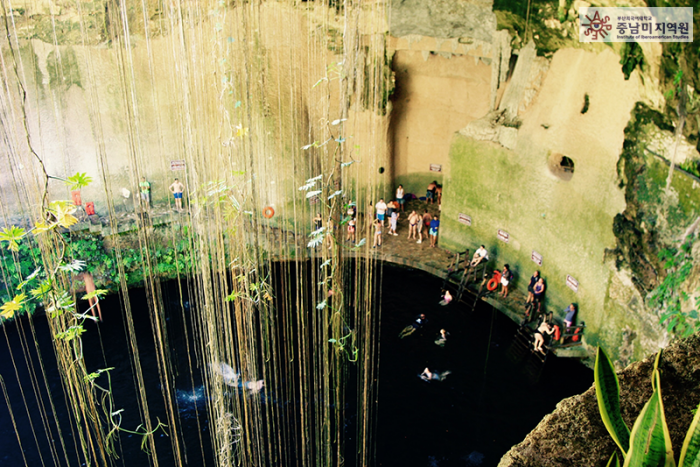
[[446, 298], [480, 255], [411, 328], [570, 315], [428, 375]]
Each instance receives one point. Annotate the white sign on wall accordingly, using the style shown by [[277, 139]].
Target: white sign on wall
[[572, 283], [464, 219], [536, 258], [503, 235], [177, 165], [436, 167]]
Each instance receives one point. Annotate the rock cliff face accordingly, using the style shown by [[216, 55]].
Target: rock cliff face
[[438, 18], [574, 435]]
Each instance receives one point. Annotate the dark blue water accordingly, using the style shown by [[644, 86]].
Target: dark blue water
[[487, 404]]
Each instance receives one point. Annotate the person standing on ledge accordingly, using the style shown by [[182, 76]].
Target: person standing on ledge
[[434, 226], [176, 189], [381, 208], [145, 189], [506, 277], [430, 193], [399, 196], [531, 287]]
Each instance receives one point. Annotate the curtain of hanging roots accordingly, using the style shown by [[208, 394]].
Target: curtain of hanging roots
[[277, 104]]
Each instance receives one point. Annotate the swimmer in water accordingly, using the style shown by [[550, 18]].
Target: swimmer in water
[[442, 340], [428, 375], [411, 328], [446, 298]]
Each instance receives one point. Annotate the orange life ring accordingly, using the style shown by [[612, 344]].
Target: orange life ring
[[576, 337], [268, 212], [557, 332], [493, 283]]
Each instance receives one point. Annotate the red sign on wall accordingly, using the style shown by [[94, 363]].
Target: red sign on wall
[[177, 165]]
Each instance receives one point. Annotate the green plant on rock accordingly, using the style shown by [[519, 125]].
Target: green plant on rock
[[48, 285], [632, 56], [669, 296], [649, 442]]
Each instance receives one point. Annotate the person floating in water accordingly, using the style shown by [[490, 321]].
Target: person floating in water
[[428, 375], [442, 340], [411, 328], [446, 298]]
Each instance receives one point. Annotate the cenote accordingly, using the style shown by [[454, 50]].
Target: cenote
[[488, 402]]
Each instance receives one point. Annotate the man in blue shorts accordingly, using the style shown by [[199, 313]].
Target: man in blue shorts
[[381, 210], [176, 189]]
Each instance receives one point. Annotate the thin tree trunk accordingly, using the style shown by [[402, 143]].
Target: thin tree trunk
[[679, 133]]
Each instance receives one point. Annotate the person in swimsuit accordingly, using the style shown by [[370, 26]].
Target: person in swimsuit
[[176, 188], [413, 221], [411, 328], [428, 375], [351, 231], [377, 233], [430, 192], [442, 339], [545, 327], [434, 226], [446, 298], [425, 223]]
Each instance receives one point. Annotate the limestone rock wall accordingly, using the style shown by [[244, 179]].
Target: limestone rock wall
[[118, 98]]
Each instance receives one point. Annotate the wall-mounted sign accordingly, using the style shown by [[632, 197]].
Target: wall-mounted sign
[[502, 235], [464, 219], [177, 165], [536, 258], [572, 283], [436, 167]]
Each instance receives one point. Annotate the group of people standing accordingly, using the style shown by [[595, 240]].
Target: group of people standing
[[416, 222], [176, 188]]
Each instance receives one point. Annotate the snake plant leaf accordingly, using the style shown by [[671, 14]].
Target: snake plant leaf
[[650, 441], [690, 452], [607, 391], [614, 460]]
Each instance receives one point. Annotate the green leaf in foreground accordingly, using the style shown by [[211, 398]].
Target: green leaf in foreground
[[607, 391], [650, 441], [690, 452]]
